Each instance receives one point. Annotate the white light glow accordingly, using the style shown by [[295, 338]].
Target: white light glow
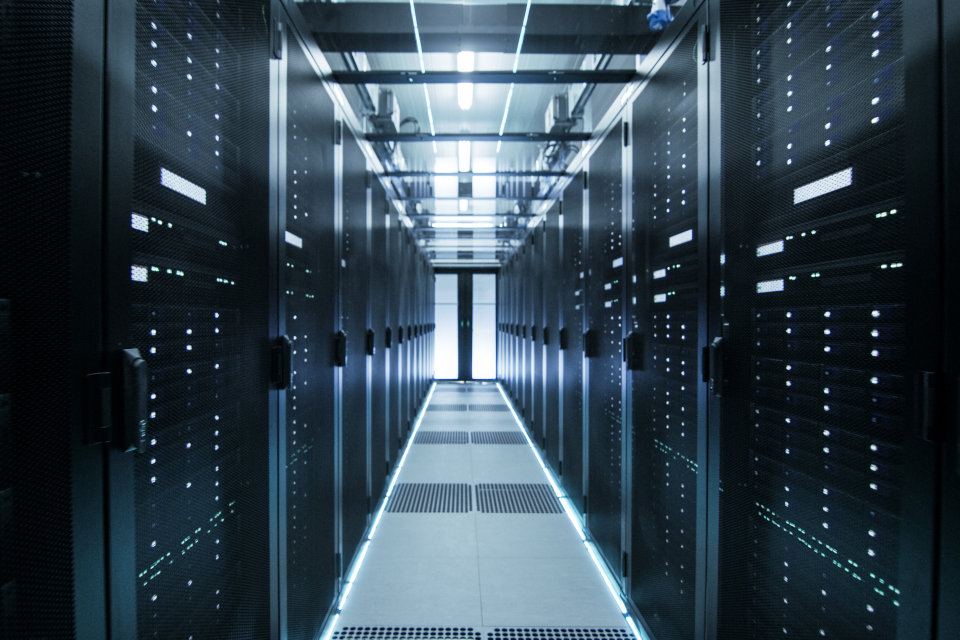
[[823, 186], [463, 156], [182, 186], [659, 273], [464, 205], [465, 95], [466, 61]]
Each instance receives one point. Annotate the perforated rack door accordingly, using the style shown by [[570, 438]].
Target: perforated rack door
[[47, 332], [664, 308], [551, 323], [197, 230], [536, 301], [813, 432], [603, 297], [309, 281], [354, 292], [572, 293], [379, 268]]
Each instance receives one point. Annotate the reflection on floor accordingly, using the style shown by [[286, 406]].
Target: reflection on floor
[[474, 542]]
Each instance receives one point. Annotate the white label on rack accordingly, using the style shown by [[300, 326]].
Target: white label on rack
[[823, 186], [770, 248], [660, 297], [770, 286], [293, 239], [618, 263], [659, 273], [182, 186], [681, 238]]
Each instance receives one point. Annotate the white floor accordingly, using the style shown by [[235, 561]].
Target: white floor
[[476, 571]]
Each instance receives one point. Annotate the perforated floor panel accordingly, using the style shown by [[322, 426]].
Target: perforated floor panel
[[516, 498], [442, 437], [559, 633], [406, 633], [428, 497], [447, 407], [497, 437]]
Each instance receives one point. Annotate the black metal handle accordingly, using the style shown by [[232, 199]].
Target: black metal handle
[[633, 351], [546, 336], [130, 431], [716, 367], [926, 402], [281, 359], [591, 344], [371, 346], [340, 349], [387, 337], [564, 339]]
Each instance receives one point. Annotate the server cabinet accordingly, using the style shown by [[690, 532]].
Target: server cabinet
[[394, 239], [52, 575], [354, 322], [571, 341], [602, 348], [309, 281], [378, 380], [552, 367], [536, 338], [665, 319], [187, 261], [948, 620], [827, 486]]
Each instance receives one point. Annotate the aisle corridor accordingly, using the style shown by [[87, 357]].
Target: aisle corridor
[[473, 541]]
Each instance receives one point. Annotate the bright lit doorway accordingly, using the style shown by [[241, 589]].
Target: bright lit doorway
[[466, 339]]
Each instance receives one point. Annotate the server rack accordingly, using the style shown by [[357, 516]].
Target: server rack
[[186, 258], [309, 278], [51, 486], [571, 341], [602, 348], [552, 372], [667, 305]]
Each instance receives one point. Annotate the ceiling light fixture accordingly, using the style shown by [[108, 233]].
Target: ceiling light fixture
[[466, 63]]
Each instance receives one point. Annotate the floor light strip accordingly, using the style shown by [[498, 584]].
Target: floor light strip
[[576, 520], [362, 554]]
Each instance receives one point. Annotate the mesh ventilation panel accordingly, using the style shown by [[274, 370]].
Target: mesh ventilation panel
[[196, 290], [814, 236], [664, 309]]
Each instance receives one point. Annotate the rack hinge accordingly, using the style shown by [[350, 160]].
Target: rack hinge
[[625, 565], [338, 132], [626, 133]]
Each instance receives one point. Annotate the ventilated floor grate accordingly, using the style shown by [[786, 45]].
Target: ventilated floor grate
[[406, 633], [497, 437], [431, 497], [447, 407], [559, 633], [517, 498], [489, 407], [442, 437]]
